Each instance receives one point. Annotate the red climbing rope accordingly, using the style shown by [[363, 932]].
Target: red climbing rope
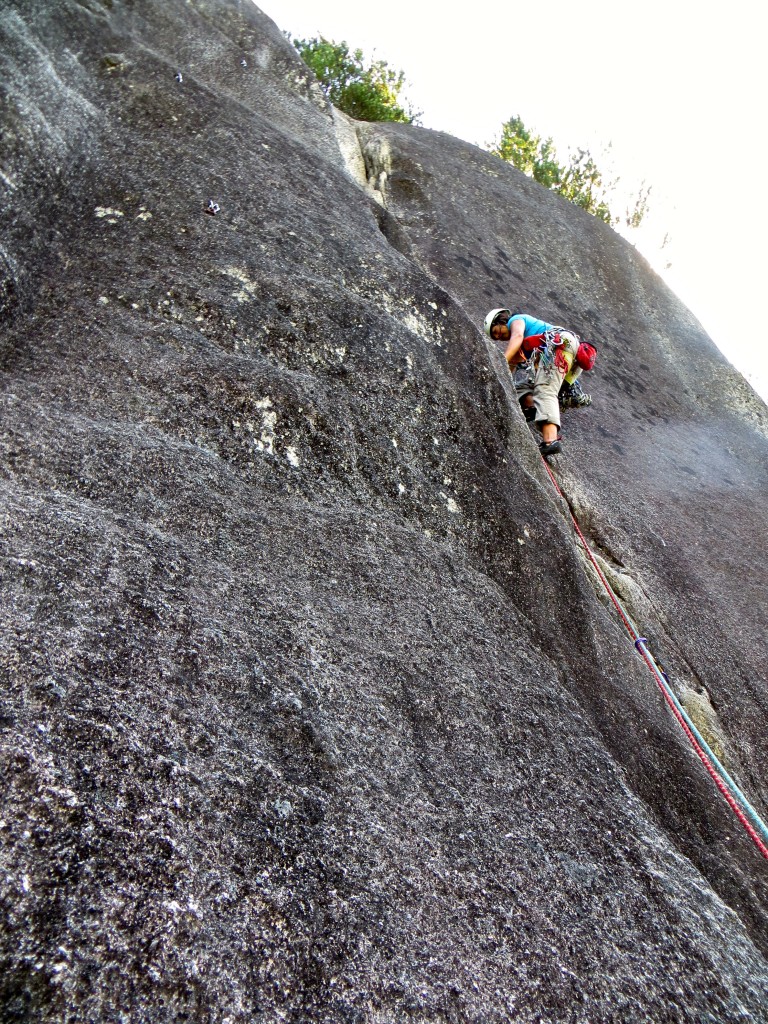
[[639, 644]]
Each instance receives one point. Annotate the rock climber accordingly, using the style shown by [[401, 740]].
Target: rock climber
[[557, 359]]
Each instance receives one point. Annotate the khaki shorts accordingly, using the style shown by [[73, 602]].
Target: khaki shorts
[[546, 378]]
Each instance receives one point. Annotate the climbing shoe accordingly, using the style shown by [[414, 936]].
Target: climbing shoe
[[572, 397], [549, 449]]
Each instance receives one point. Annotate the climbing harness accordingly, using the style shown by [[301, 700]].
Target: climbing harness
[[729, 789]]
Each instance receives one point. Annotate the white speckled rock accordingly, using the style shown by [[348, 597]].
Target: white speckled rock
[[311, 710]]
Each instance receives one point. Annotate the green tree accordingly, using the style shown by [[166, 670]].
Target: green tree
[[580, 181], [634, 214], [367, 93], [524, 150], [582, 184]]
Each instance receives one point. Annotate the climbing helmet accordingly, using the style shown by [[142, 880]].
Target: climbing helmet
[[496, 316]]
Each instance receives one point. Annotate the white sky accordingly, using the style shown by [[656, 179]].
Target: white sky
[[677, 88]]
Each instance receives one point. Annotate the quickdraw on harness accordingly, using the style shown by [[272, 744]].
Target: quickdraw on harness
[[548, 345], [544, 347]]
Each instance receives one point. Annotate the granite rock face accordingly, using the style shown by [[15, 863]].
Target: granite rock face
[[312, 707]]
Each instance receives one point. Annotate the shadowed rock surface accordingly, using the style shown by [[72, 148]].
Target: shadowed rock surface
[[312, 709]]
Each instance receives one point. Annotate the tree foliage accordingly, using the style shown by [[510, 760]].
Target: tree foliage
[[366, 92], [580, 181]]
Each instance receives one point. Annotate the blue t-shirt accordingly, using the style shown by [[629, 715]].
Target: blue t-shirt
[[532, 325]]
